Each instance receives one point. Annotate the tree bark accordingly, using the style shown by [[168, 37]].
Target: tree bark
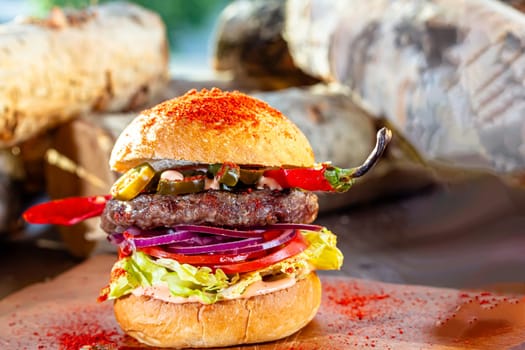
[[250, 45]]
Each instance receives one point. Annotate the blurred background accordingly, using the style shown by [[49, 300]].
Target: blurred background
[[445, 206], [189, 26]]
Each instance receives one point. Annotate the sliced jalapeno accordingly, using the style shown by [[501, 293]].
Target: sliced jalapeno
[[213, 169], [226, 173], [192, 172], [129, 185], [187, 185], [151, 187], [250, 176]]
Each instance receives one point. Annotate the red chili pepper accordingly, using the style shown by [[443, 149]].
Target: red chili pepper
[[327, 177], [309, 179], [323, 178], [67, 211]]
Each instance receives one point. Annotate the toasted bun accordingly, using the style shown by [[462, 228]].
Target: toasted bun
[[241, 321], [212, 127]]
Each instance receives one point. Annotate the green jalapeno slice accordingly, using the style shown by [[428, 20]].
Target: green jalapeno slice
[[250, 176], [226, 173], [134, 181], [187, 185]]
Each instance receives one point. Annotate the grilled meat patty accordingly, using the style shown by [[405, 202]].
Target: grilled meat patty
[[217, 208]]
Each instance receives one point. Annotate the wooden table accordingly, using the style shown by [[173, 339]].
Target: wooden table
[[63, 313]]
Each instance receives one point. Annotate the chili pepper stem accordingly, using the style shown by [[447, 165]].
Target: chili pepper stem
[[342, 179], [383, 138]]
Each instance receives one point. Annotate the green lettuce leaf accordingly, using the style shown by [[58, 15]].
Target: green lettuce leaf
[[184, 280], [187, 280], [322, 251]]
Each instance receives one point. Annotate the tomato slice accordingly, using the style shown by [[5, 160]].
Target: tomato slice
[[235, 263], [294, 247], [203, 259]]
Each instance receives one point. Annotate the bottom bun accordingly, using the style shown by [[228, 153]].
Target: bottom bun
[[256, 319]]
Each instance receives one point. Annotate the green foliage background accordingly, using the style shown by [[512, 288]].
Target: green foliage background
[[179, 15]]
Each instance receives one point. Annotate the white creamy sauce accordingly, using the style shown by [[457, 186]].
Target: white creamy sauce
[[172, 175], [162, 292], [265, 287], [266, 182], [211, 184]]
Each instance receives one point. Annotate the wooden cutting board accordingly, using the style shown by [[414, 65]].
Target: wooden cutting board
[[355, 314]]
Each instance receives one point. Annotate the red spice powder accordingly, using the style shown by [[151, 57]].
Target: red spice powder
[[84, 334], [89, 334], [89, 327], [216, 109], [103, 295], [74, 341], [354, 305], [116, 273]]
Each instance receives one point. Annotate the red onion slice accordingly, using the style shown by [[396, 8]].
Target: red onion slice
[[200, 239], [172, 237], [247, 245], [115, 238], [286, 226], [220, 231], [205, 239], [213, 248], [135, 231]]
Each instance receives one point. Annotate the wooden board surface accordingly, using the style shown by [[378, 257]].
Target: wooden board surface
[[63, 314]]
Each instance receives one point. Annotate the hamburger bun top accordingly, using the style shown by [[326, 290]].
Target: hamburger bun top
[[212, 126]]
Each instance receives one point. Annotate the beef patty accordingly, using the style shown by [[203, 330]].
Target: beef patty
[[217, 208]]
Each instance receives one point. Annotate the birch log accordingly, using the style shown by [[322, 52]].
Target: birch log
[[518, 4], [107, 58], [449, 74], [249, 43]]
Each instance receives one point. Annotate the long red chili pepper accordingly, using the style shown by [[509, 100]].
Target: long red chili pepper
[[327, 177], [67, 211]]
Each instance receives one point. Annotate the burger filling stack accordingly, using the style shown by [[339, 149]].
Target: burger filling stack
[[213, 218]]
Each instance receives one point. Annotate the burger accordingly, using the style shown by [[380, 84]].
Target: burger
[[213, 218]]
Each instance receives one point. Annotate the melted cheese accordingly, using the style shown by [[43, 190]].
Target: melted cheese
[[162, 292]]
